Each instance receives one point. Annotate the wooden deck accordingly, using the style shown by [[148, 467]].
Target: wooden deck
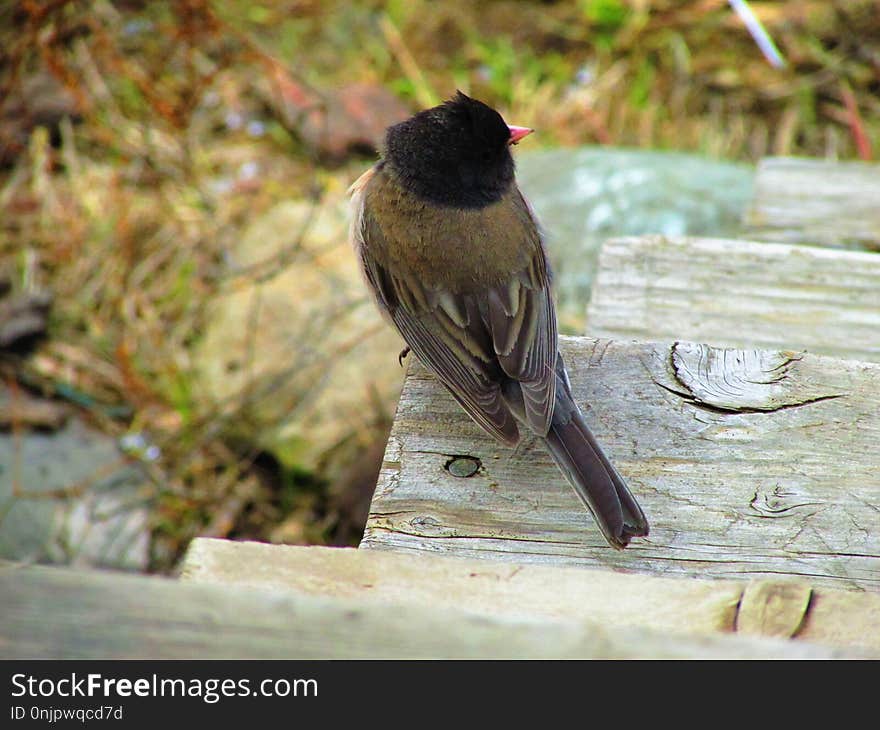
[[821, 202], [62, 613], [618, 602], [749, 464], [734, 293]]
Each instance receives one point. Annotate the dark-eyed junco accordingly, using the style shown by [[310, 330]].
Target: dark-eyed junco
[[454, 258]]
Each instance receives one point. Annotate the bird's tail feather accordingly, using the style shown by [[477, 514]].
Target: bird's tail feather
[[594, 478]]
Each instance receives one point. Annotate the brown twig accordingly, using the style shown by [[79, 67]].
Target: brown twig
[[856, 125]]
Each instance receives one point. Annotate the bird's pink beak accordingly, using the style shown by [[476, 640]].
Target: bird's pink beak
[[517, 133]]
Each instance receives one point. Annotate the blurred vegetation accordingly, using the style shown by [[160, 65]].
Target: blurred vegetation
[[137, 139]]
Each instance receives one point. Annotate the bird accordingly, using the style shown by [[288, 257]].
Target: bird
[[455, 260]]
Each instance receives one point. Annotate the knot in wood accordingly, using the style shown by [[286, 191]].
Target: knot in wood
[[463, 466]]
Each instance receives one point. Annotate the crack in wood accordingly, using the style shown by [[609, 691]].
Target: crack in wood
[[773, 505], [728, 380]]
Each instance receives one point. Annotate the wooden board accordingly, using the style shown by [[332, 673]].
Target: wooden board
[[800, 200], [59, 613], [781, 608], [738, 294], [748, 465]]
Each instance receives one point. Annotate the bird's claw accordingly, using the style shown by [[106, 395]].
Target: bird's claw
[[403, 353]]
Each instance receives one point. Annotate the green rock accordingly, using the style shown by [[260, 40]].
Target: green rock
[[583, 196]]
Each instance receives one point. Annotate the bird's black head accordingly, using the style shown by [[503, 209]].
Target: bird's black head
[[456, 154]]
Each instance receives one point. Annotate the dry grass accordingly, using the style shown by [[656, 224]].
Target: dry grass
[[127, 214]]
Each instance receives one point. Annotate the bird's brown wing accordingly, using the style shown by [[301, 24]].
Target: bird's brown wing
[[522, 320], [477, 343]]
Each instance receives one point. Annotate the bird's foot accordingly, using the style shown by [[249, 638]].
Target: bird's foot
[[403, 353]]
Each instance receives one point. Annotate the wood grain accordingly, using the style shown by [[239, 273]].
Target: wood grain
[[738, 294], [53, 613], [798, 200], [792, 490], [780, 608]]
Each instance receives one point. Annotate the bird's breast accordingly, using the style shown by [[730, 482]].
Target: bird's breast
[[445, 248]]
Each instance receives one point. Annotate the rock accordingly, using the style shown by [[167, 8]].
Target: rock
[[336, 122], [305, 348], [583, 196], [23, 317], [40, 100], [78, 502]]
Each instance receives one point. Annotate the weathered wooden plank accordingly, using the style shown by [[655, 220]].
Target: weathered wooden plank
[[776, 474], [799, 200], [781, 608], [60, 613], [738, 294]]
